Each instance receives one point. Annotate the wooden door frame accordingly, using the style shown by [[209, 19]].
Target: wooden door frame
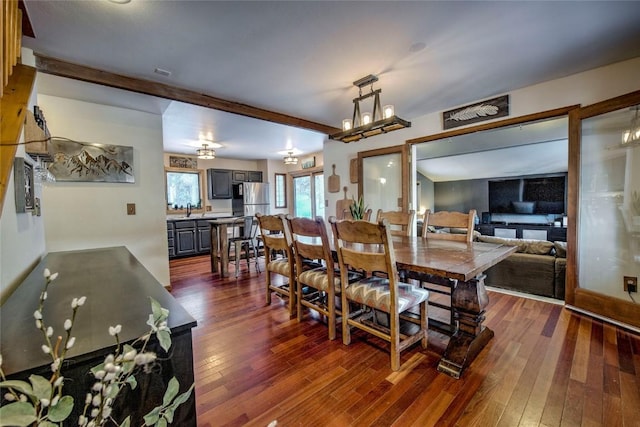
[[403, 150], [583, 299]]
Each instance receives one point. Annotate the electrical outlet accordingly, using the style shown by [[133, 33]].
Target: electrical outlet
[[131, 208], [630, 284]]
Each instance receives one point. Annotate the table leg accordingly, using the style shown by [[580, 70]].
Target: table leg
[[224, 252], [214, 248], [469, 301]]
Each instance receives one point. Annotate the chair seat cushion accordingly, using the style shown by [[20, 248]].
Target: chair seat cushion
[[279, 266], [374, 292], [319, 279]]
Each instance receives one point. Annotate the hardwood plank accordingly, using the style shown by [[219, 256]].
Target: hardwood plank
[[546, 366]]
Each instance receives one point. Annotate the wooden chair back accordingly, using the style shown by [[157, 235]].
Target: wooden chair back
[[275, 234], [310, 240], [445, 219], [403, 220]]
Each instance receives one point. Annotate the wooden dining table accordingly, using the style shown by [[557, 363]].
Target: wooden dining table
[[465, 264]]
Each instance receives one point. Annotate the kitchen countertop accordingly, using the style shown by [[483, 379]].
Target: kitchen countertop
[[205, 217]]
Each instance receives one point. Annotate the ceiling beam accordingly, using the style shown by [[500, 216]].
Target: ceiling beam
[[92, 75]]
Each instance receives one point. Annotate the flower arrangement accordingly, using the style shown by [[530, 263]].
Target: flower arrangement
[[357, 208], [41, 401]]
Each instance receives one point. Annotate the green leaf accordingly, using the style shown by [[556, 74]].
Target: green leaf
[[171, 392], [168, 413], [133, 383], [61, 411], [126, 422], [165, 340], [19, 386], [115, 389], [183, 397], [152, 417], [41, 386], [20, 414], [47, 424], [156, 309], [97, 368], [161, 423]]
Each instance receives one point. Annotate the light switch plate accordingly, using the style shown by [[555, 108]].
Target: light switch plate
[[131, 208]]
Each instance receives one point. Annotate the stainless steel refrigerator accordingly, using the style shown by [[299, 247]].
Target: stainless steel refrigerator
[[255, 198]]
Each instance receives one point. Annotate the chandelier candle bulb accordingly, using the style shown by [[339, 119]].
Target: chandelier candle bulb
[[347, 124], [366, 118], [388, 111]]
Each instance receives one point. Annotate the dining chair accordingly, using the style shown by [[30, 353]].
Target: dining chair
[[401, 222], [243, 242], [444, 225], [318, 287], [363, 245], [278, 257]]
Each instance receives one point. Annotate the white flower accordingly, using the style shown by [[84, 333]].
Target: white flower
[[0, 359], [37, 315], [97, 399], [67, 324], [54, 401], [110, 367], [94, 412], [53, 277], [91, 424], [82, 421], [58, 382], [55, 365], [23, 398], [87, 399], [110, 377], [43, 296], [106, 411], [100, 374], [97, 386], [46, 349], [44, 402], [47, 273], [39, 324], [49, 331], [9, 397], [109, 359], [130, 355], [145, 358], [71, 342], [115, 330], [81, 301]]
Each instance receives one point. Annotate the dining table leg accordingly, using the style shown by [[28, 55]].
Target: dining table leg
[[219, 253], [469, 301]]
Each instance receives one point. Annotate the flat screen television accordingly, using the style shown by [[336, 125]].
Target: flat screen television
[[528, 195]]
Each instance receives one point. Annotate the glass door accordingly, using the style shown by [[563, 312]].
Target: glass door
[[606, 139], [308, 195]]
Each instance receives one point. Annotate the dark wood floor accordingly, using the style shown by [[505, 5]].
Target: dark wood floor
[[546, 366]]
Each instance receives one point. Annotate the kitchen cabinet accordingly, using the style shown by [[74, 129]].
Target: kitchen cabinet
[[219, 184], [247, 176], [187, 237]]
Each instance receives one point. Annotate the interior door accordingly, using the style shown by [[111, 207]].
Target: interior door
[[605, 201]]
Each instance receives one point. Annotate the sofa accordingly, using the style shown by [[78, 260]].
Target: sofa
[[537, 267]]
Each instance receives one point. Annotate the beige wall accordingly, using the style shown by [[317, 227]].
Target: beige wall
[[81, 215]]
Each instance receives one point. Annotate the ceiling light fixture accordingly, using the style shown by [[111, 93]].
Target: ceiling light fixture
[[205, 153], [632, 134], [365, 125], [290, 160]]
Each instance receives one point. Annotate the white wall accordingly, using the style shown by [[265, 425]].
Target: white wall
[[82, 215], [21, 235], [583, 88]]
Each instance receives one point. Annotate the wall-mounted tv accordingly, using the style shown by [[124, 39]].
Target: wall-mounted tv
[[539, 194]]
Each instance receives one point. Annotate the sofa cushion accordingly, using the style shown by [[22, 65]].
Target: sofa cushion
[[561, 249], [526, 246]]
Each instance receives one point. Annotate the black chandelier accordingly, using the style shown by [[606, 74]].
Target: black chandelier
[[364, 125]]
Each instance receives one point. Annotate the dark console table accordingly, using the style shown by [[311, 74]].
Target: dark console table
[[553, 233], [117, 287]]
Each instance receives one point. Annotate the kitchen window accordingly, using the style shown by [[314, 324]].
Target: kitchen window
[[184, 189]]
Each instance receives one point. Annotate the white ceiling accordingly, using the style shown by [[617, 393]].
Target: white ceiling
[[300, 58]]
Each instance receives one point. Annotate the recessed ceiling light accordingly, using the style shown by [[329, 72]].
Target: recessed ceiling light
[[162, 72], [120, 1]]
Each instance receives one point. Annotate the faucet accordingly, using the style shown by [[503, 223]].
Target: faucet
[[188, 210]]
